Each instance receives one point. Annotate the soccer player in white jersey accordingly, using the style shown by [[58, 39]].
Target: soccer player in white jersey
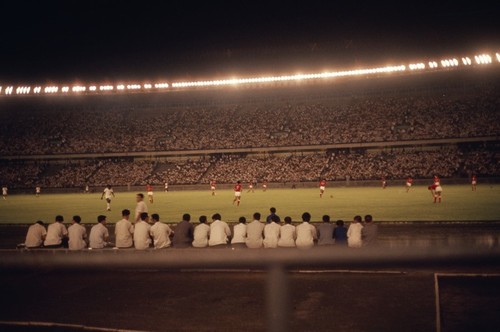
[[38, 190], [4, 192], [108, 193]]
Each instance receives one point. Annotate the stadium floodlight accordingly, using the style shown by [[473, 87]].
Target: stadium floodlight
[[466, 61], [161, 85], [483, 59], [106, 87], [0, 89], [78, 88], [92, 88], [147, 86], [8, 90], [22, 90], [297, 77], [133, 86], [120, 87], [65, 89], [51, 89], [37, 89], [431, 64], [417, 66]]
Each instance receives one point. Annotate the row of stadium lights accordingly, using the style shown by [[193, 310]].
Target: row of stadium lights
[[480, 59]]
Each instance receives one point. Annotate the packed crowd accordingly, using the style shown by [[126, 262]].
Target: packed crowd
[[336, 165], [148, 232], [162, 128]]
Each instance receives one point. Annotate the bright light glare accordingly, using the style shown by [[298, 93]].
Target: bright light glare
[[466, 61], [106, 87], [347, 73], [448, 63], [78, 88], [482, 59], [22, 90], [416, 66], [162, 85], [133, 86], [51, 89]]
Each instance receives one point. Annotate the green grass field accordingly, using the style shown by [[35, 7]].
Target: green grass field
[[391, 204]]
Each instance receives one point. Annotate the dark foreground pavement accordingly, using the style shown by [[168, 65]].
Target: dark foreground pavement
[[197, 301], [156, 300]]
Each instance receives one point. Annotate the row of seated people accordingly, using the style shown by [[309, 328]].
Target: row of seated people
[[147, 233], [338, 165], [162, 128]]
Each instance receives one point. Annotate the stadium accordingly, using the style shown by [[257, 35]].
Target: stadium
[[371, 139]]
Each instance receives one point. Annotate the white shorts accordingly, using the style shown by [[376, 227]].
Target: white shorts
[[237, 193], [438, 189], [408, 184], [150, 193], [322, 188], [474, 183], [212, 188]]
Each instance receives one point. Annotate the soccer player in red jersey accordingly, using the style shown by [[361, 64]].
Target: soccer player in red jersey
[[237, 193], [474, 182], [264, 185], [409, 183], [149, 189], [436, 180], [322, 187], [436, 191], [213, 184], [384, 183]]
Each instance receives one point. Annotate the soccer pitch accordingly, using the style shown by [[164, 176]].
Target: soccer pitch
[[391, 204]]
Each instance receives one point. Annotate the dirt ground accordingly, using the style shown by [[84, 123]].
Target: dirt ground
[[161, 301], [227, 301]]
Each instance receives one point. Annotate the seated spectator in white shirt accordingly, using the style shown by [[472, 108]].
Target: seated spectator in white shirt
[[201, 233], [306, 233], [57, 234], [160, 233], [240, 234], [255, 232], [124, 231], [219, 232], [272, 233], [77, 235], [354, 233], [288, 234], [35, 236], [142, 231], [99, 234]]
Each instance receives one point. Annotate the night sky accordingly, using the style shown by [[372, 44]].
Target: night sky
[[97, 41]]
